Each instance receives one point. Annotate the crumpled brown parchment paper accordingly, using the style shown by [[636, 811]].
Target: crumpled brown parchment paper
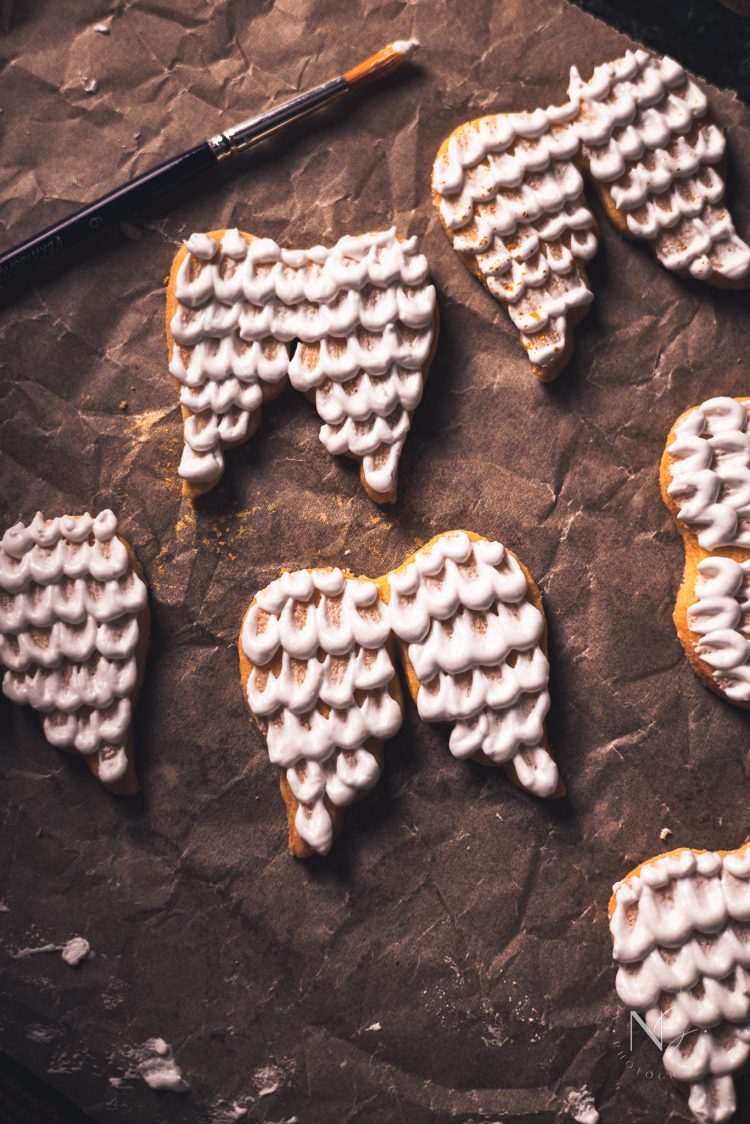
[[450, 960]]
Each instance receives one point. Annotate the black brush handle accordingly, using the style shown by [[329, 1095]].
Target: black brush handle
[[113, 207]]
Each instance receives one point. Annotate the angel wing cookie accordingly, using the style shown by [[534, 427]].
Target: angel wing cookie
[[471, 629], [657, 160], [353, 327], [318, 677], [73, 636], [680, 926], [705, 482], [512, 203]]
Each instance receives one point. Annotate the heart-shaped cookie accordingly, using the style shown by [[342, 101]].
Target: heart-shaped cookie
[[317, 652]]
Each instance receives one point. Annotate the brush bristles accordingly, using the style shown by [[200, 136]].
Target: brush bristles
[[379, 64]]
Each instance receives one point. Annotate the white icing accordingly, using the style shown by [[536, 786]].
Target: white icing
[[512, 198], [710, 469], [75, 951], [681, 933], [475, 643], [405, 47], [720, 615], [581, 1106], [353, 323], [69, 602], [329, 705], [641, 136]]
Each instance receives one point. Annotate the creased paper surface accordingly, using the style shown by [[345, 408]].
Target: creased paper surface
[[450, 960]]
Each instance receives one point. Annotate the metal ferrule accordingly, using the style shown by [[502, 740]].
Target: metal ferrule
[[256, 128]]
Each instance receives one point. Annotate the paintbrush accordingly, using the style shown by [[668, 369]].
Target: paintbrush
[[119, 203]]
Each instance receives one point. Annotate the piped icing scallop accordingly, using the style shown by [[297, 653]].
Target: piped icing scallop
[[319, 680], [511, 201], [472, 635], [648, 143], [719, 618], [352, 326], [705, 481], [680, 926], [73, 633]]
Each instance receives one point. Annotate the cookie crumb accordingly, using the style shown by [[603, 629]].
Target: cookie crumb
[[90, 85], [664, 834], [102, 28], [123, 405]]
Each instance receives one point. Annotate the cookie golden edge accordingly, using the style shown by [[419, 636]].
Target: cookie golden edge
[[270, 391], [694, 554], [533, 595], [552, 370], [296, 845]]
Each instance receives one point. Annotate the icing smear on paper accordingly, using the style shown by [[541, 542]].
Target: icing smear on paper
[[580, 1105], [153, 1062], [159, 1069], [73, 952], [226, 1112]]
